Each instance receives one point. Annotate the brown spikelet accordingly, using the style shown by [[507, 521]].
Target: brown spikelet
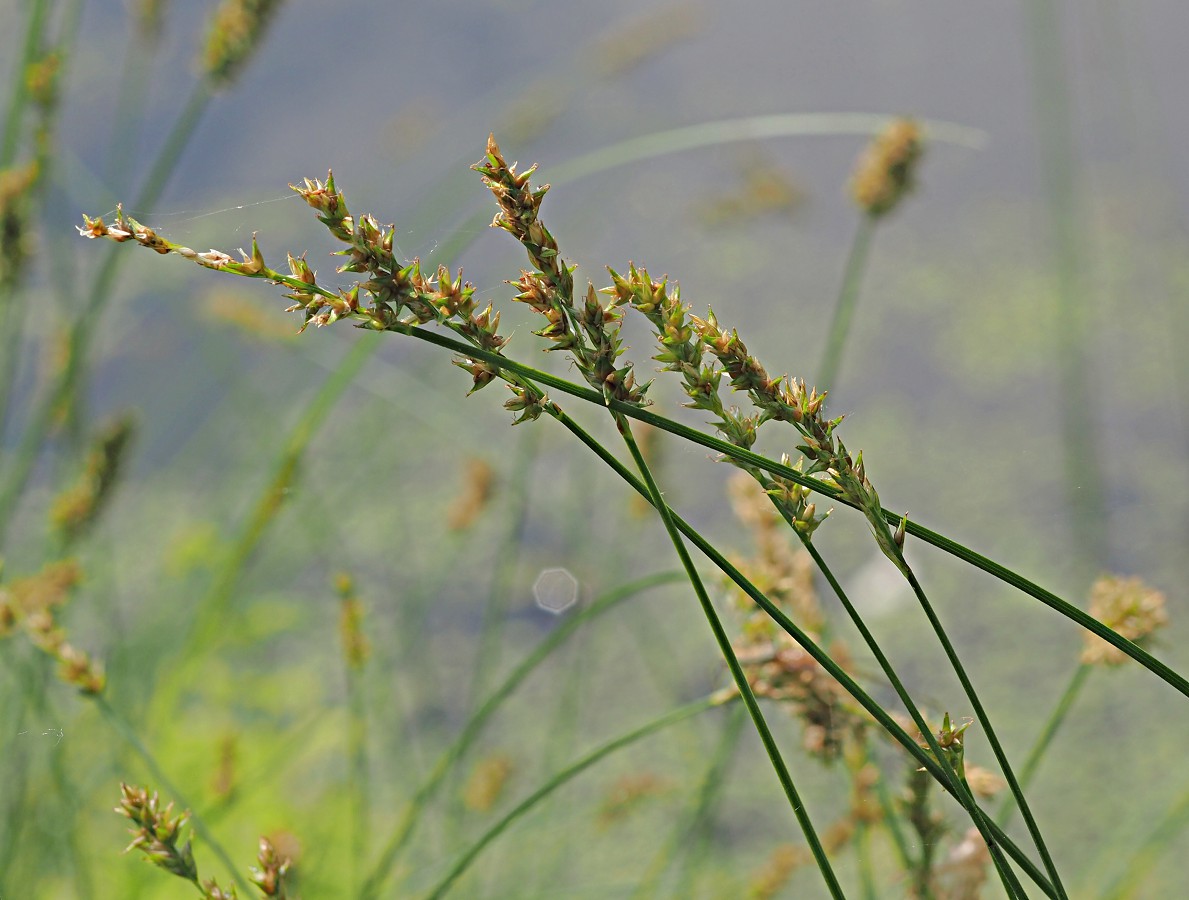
[[886, 172], [1130, 607]]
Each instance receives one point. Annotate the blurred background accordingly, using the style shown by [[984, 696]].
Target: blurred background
[[1015, 375]]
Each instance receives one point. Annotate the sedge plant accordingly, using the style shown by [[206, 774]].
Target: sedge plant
[[390, 295]]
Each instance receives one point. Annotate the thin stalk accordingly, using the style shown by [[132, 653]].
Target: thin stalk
[[62, 393], [139, 54], [892, 820], [474, 725], [14, 326], [507, 559], [19, 96], [750, 129], [693, 835], [863, 860], [559, 779], [128, 733], [844, 306], [958, 787], [944, 775], [1084, 478], [960, 551], [30, 674], [1056, 717], [359, 794], [11, 322], [211, 615], [732, 661], [981, 714], [1142, 861]]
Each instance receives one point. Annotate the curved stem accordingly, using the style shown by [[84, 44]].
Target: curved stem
[[1171, 826], [737, 673], [63, 392], [474, 725], [565, 775], [126, 731], [981, 714], [211, 615], [844, 307], [1056, 717], [927, 760], [959, 788], [1064, 607]]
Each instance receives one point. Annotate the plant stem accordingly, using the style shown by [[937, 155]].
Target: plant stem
[[210, 618], [981, 714], [844, 307], [474, 725], [358, 792], [960, 551], [1142, 861], [737, 673], [1084, 480], [691, 835], [958, 787], [942, 774], [19, 96], [62, 395], [892, 820], [565, 775], [507, 559], [1056, 717], [128, 733]]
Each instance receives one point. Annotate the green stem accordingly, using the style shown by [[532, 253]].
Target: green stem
[[507, 559], [1056, 717], [135, 81], [844, 307], [891, 819], [958, 787], [13, 325], [358, 791], [1143, 860], [949, 546], [728, 653], [18, 98], [863, 860], [943, 774], [210, 618], [126, 731], [558, 780], [62, 394], [1084, 480], [692, 835], [474, 725], [985, 720]]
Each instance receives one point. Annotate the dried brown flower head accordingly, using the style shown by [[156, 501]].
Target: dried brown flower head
[[77, 508], [356, 648], [627, 793], [1130, 607], [779, 868], [236, 29], [487, 782], [478, 485], [887, 169], [983, 782]]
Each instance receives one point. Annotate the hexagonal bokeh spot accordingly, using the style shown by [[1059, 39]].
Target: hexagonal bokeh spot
[[555, 590]]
